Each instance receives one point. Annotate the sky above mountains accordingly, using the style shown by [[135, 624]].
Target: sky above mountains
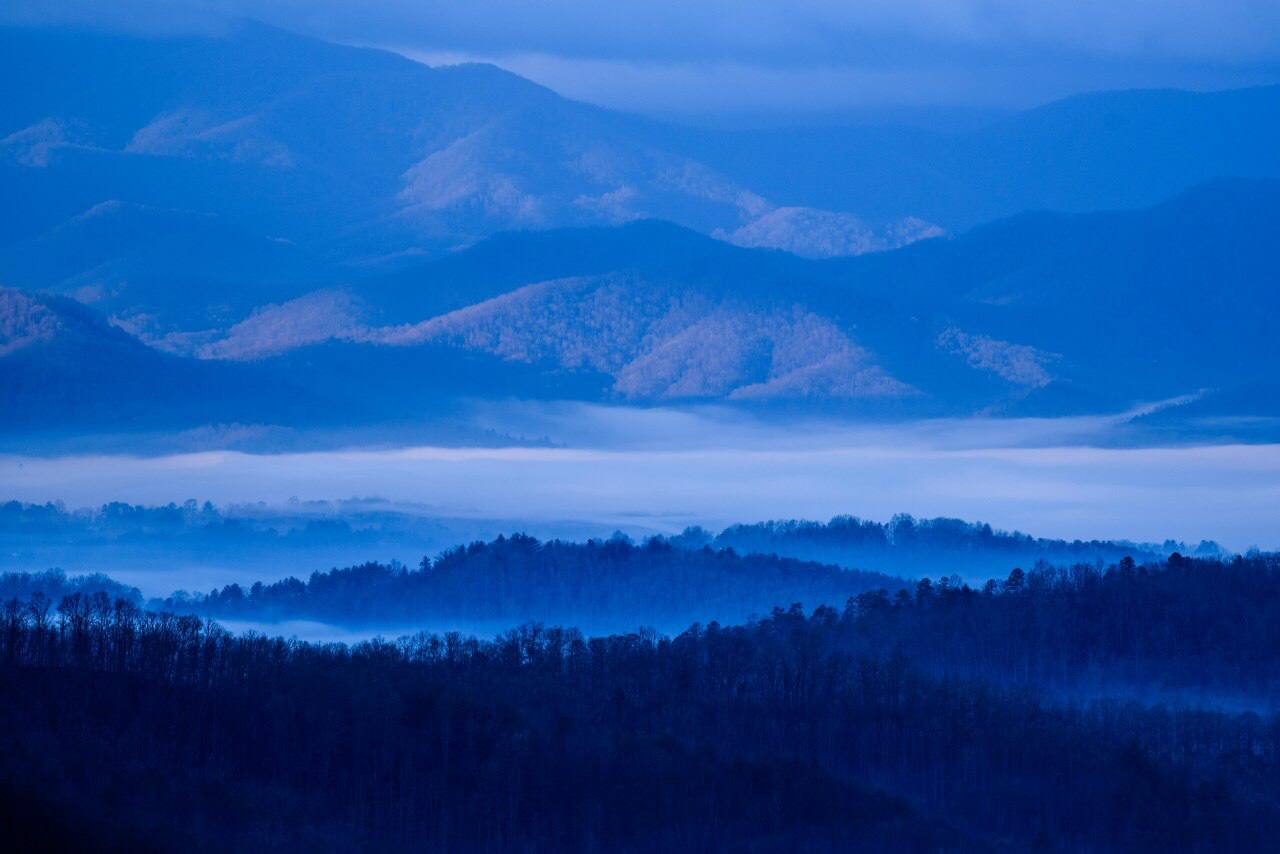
[[775, 61]]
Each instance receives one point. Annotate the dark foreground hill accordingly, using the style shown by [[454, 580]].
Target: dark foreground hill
[[931, 721]]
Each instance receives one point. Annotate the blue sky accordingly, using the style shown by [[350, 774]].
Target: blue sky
[[789, 56]]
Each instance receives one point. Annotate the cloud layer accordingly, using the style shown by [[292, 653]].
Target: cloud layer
[[667, 55], [661, 469]]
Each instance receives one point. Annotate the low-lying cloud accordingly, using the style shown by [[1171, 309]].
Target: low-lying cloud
[[662, 469]]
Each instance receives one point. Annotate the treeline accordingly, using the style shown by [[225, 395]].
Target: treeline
[[916, 547], [1187, 629], [116, 517], [603, 585], [119, 533], [53, 584], [173, 525], [130, 730]]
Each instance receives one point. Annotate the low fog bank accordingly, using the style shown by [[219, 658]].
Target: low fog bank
[[722, 427], [661, 470], [311, 631]]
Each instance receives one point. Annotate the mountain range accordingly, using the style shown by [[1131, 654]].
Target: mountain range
[[256, 227]]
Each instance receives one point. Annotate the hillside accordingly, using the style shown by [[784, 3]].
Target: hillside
[[1043, 314], [160, 270], [600, 586], [1088, 152], [357, 154], [914, 547], [1040, 313], [62, 365], [350, 227]]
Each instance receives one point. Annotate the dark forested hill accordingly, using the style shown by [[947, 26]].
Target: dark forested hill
[[1191, 627], [914, 547], [599, 586]]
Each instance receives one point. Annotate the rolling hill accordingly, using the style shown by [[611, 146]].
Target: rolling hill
[[62, 366], [1042, 314]]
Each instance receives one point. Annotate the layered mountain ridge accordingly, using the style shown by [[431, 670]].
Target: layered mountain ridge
[[377, 238]]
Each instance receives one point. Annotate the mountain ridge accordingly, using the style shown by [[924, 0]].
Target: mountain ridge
[[436, 156], [260, 200], [1024, 316]]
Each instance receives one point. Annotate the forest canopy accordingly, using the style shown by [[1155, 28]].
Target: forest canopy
[[927, 720]]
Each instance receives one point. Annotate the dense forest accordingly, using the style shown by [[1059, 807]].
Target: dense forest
[[1189, 630], [908, 546], [924, 721], [608, 585]]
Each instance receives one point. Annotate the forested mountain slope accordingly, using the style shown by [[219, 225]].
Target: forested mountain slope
[[1042, 314], [342, 155], [335, 214]]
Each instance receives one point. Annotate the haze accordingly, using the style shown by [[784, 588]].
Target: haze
[[659, 470]]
